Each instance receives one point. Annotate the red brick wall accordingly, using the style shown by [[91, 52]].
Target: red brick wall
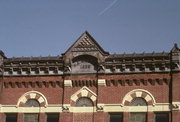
[[101, 117], [42, 117], [119, 91], [126, 117], [176, 87], [66, 117], [110, 94], [11, 95], [20, 117], [116, 93], [1, 117], [69, 91], [175, 116], [176, 96], [150, 117]]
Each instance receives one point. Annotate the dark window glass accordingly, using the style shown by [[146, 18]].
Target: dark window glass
[[11, 117], [84, 101], [138, 101], [116, 117], [52, 118], [162, 117], [30, 118], [138, 117], [32, 103]]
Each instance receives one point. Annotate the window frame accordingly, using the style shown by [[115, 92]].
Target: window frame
[[116, 113], [155, 113], [138, 99], [30, 100], [146, 115], [30, 114], [5, 116], [52, 114], [79, 100]]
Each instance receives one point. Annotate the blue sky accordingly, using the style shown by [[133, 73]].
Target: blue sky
[[49, 27]]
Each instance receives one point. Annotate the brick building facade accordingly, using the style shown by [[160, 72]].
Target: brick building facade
[[87, 84]]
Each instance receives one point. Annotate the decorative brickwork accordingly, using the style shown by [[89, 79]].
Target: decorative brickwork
[[32, 95], [88, 84], [138, 93], [83, 92]]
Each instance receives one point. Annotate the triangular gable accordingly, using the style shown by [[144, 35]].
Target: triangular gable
[[86, 43]]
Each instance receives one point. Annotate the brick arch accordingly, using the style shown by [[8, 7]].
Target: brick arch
[[32, 95], [147, 96], [83, 92]]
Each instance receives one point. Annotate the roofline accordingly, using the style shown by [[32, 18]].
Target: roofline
[[86, 32]]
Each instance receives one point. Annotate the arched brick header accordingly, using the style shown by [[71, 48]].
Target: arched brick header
[[83, 92], [148, 97], [32, 95]]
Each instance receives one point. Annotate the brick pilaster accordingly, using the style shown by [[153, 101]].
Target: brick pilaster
[[66, 117], [175, 116], [100, 117], [101, 86], [2, 117], [20, 117], [42, 117], [150, 117], [126, 117]]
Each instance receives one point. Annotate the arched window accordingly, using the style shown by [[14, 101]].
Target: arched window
[[138, 116], [84, 102], [138, 101], [31, 117], [32, 103]]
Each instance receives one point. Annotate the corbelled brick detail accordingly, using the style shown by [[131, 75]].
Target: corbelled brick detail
[[111, 81]]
